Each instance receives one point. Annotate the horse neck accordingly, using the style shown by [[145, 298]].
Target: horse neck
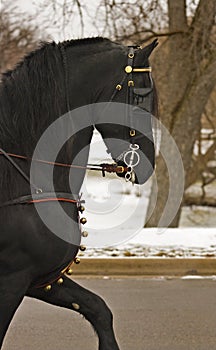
[[92, 72], [40, 108]]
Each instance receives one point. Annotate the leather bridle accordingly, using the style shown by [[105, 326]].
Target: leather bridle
[[142, 97], [139, 99]]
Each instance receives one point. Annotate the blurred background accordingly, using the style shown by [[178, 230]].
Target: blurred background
[[184, 69]]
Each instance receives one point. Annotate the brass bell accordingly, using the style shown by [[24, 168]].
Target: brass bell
[[82, 248], [81, 208], [83, 221], [85, 234], [48, 288], [77, 260], [76, 306], [69, 272], [60, 281]]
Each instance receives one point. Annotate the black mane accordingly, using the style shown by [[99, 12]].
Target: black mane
[[33, 94], [85, 41], [25, 96], [44, 45]]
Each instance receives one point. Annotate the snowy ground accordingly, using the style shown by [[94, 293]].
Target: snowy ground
[[173, 243], [116, 211]]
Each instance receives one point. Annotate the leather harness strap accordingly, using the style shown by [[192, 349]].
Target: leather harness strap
[[44, 197]]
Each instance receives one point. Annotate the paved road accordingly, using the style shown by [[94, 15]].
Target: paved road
[[148, 314]]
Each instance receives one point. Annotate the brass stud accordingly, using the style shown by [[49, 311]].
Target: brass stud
[[131, 55], [60, 281], [48, 288], [85, 234], [76, 306], [77, 260], [83, 221], [128, 69], [130, 83], [118, 87], [81, 208], [132, 132], [82, 248], [69, 272]]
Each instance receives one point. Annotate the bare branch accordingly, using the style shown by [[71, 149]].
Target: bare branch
[[151, 34], [79, 6], [16, 39]]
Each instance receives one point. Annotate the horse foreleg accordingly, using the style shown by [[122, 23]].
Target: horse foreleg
[[72, 296], [12, 292]]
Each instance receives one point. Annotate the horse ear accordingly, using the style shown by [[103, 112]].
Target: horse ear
[[147, 50]]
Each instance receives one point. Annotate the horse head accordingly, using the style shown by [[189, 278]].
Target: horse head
[[120, 80]]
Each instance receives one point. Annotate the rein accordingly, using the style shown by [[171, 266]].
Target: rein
[[44, 197], [47, 197], [110, 168]]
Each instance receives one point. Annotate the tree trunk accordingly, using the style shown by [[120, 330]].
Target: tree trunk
[[189, 67]]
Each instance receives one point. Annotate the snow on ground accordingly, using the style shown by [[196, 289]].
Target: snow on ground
[[116, 211], [173, 243]]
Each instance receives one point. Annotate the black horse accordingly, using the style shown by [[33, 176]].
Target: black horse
[[48, 83]]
